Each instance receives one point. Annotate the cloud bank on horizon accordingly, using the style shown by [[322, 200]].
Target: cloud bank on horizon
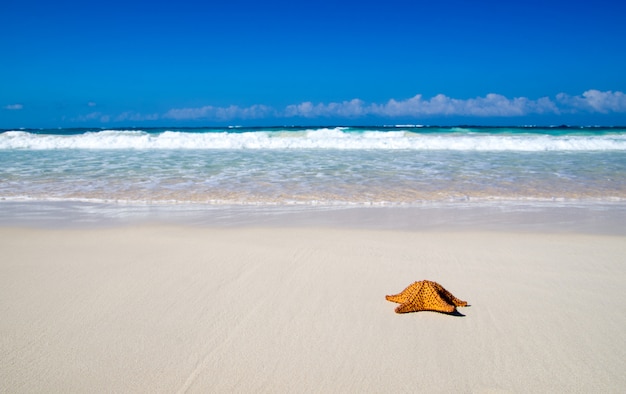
[[491, 105], [418, 107]]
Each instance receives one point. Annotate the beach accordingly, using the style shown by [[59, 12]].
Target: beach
[[258, 259], [292, 306]]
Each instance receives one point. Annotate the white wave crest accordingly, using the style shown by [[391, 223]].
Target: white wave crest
[[324, 138]]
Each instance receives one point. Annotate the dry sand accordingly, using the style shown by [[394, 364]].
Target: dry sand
[[181, 308]]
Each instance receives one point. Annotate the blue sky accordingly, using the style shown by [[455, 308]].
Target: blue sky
[[146, 63]]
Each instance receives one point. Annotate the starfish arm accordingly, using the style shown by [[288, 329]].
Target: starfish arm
[[398, 298], [408, 307], [449, 297], [458, 302], [440, 305], [406, 294]]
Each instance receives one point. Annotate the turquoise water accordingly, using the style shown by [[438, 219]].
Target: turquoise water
[[398, 165]]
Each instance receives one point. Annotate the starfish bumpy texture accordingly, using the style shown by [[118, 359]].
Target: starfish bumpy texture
[[425, 296]]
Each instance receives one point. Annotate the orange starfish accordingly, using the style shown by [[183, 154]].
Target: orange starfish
[[425, 296]]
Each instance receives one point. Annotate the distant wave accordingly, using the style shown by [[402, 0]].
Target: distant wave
[[455, 139]]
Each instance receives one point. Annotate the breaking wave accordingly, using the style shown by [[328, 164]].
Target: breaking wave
[[338, 138]]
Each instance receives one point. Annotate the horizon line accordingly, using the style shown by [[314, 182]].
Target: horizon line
[[330, 125]]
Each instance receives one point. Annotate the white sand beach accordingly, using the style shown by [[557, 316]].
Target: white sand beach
[[165, 308]]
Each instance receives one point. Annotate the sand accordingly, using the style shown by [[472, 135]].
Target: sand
[[166, 308]]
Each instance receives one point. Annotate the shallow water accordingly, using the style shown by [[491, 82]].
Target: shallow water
[[318, 167]]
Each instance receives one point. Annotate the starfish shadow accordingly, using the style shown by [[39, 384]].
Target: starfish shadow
[[455, 312]]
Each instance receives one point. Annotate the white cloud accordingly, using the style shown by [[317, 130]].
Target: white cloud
[[352, 108], [98, 116], [135, 117], [13, 107], [490, 105], [91, 104], [594, 101], [440, 105], [124, 116], [219, 113]]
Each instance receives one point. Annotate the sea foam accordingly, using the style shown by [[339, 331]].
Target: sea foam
[[320, 138]]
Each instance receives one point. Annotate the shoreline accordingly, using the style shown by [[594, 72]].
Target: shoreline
[[171, 308], [552, 217]]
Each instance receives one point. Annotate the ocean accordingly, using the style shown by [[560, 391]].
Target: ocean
[[321, 167]]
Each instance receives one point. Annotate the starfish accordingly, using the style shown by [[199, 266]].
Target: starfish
[[425, 296]]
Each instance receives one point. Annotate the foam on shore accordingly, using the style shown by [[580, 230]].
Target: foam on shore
[[563, 217]]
